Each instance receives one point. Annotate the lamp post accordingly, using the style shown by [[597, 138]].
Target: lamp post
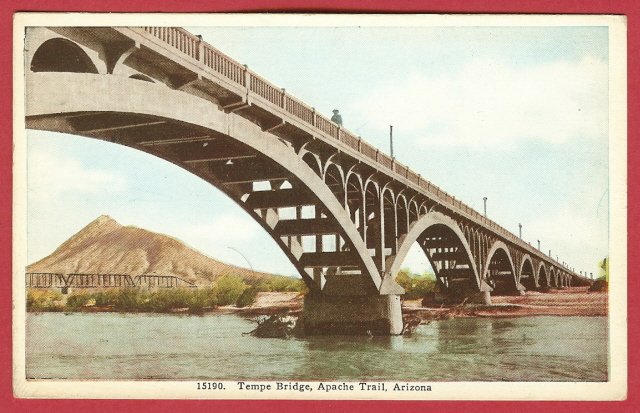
[[391, 140], [520, 229], [485, 206]]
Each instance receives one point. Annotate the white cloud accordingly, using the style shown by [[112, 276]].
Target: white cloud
[[493, 103], [50, 175]]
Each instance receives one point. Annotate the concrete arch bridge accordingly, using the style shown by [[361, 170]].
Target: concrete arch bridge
[[342, 211]]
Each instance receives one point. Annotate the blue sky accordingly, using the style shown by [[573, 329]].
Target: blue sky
[[519, 115]]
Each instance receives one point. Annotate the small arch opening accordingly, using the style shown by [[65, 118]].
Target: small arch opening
[[402, 216], [527, 278], [355, 202], [373, 220], [61, 55], [333, 179], [413, 212], [139, 76], [543, 281], [500, 274], [313, 163], [390, 226], [450, 262]]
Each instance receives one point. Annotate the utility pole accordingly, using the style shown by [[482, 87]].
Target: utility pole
[[520, 228], [391, 139], [538, 244], [485, 206]]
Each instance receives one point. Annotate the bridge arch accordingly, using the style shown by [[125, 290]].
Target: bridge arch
[[334, 178], [447, 249], [355, 200], [499, 271], [563, 279], [553, 280], [313, 161], [527, 275], [61, 55], [389, 220], [543, 276], [424, 209], [414, 212], [373, 220], [52, 104], [402, 213]]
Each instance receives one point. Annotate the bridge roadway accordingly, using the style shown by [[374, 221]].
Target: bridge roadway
[[342, 211]]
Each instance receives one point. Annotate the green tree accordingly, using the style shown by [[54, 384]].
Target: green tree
[[228, 288], [247, 298], [604, 268], [281, 284], [415, 285]]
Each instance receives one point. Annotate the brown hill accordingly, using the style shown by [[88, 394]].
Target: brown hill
[[107, 247]]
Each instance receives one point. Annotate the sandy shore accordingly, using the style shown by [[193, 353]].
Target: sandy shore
[[575, 301]]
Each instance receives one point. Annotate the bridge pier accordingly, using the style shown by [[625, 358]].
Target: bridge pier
[[352, 315]]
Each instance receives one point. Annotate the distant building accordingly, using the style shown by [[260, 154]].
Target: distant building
[[336, 118]]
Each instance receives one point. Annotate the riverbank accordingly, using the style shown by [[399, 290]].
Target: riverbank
[[574, 301]]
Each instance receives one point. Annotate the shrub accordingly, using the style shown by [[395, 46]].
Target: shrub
[[130, 299], [76, 301], [282, 284], [416, 285], [247, 298], [228, 288], [44, 300]]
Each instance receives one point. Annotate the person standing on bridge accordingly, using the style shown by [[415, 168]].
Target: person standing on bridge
[[336, 118]]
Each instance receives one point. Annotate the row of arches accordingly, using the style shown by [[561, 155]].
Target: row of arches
[[384, 216]]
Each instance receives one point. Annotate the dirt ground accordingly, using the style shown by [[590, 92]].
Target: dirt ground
[[574, 301]]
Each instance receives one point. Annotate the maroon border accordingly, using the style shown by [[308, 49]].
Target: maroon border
[[631, 8]]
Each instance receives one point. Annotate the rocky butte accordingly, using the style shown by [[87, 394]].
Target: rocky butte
[[105, 246]]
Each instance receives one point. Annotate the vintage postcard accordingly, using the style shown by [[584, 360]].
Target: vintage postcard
[[396, 207]]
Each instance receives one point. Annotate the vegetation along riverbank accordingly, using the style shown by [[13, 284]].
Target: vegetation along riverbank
[[231, 294], [227, 290]]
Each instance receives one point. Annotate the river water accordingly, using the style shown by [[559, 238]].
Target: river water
[[163, 346]]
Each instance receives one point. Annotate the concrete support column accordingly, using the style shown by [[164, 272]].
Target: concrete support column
[[480, 297], [352, 315], [380, 258]]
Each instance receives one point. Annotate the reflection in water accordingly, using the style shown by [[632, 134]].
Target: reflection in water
[[130, 346]]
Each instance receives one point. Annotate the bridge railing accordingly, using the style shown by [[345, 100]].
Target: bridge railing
[[224, 65], [177, 37], [300, 110]]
